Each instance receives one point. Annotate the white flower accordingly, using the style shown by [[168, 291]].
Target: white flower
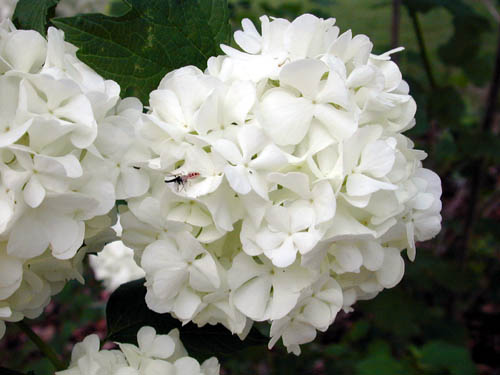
[[156, 354], [115, 265], [177, 269], [316, 310], [86, 359], [11, 274], [249, 162], [281, 187], [261, 291], [51, 196], [286, 112]]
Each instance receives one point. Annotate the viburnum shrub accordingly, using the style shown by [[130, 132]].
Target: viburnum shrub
[[274, 186]]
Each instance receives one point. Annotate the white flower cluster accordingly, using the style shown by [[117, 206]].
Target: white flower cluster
[[57, 177], [115, 265], [281, 186], [156, 354]]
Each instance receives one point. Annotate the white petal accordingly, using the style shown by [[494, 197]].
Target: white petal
[[360, 185], [377, 159], [341, 124], [34, 192], [284, 255], [317, 313], [270, 158], [166, 105], [348, 257], [304, 75], [208, 116], [324, 201], [300, 34], [373, 255], [145, 338], [252, 298], [345, 226], [11, 275], [70, 164], [301, 216], [392, 269], [295, 181], [360, 76], [65, 234], [28, 238], [286, 292], [278, 218], [298, 333], [247, 42], [186, 304], [134, 182], [244, 268], [203, 274], [334, 91], [251, 139], [285, 117], [228, 150], [187, 366], [268, 240], [238, 179], [239, 99], [305, 241], [163, 347], [25, 50]]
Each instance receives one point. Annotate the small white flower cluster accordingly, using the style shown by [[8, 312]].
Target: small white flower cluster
[[65, 8], [69, 8], [57, 177], [115, 265], [156, 354], [281, 186]]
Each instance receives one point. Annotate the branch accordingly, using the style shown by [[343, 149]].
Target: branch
[[480, 165], [44, 348], [423, 49], [396, 21]]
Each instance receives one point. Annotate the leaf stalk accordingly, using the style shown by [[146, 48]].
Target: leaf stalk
[[42, 345]]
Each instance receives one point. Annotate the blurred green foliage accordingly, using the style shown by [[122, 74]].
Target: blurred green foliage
[[443, 317]]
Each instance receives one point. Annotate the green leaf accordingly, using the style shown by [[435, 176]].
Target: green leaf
[[127, 312], [379, 361], [153, 38], [34, 14], [478, 145], [461, 48], [447, 106], [441, 356], [396, 313]]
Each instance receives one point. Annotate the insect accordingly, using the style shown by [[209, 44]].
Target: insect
[[180, 180]]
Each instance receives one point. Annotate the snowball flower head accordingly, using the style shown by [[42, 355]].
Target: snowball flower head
[[281, 186], [58, 180], [156, 354]]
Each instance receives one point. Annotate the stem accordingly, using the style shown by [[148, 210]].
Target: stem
[[44, 348], [396, 18], [423, 49], [480, 165]]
